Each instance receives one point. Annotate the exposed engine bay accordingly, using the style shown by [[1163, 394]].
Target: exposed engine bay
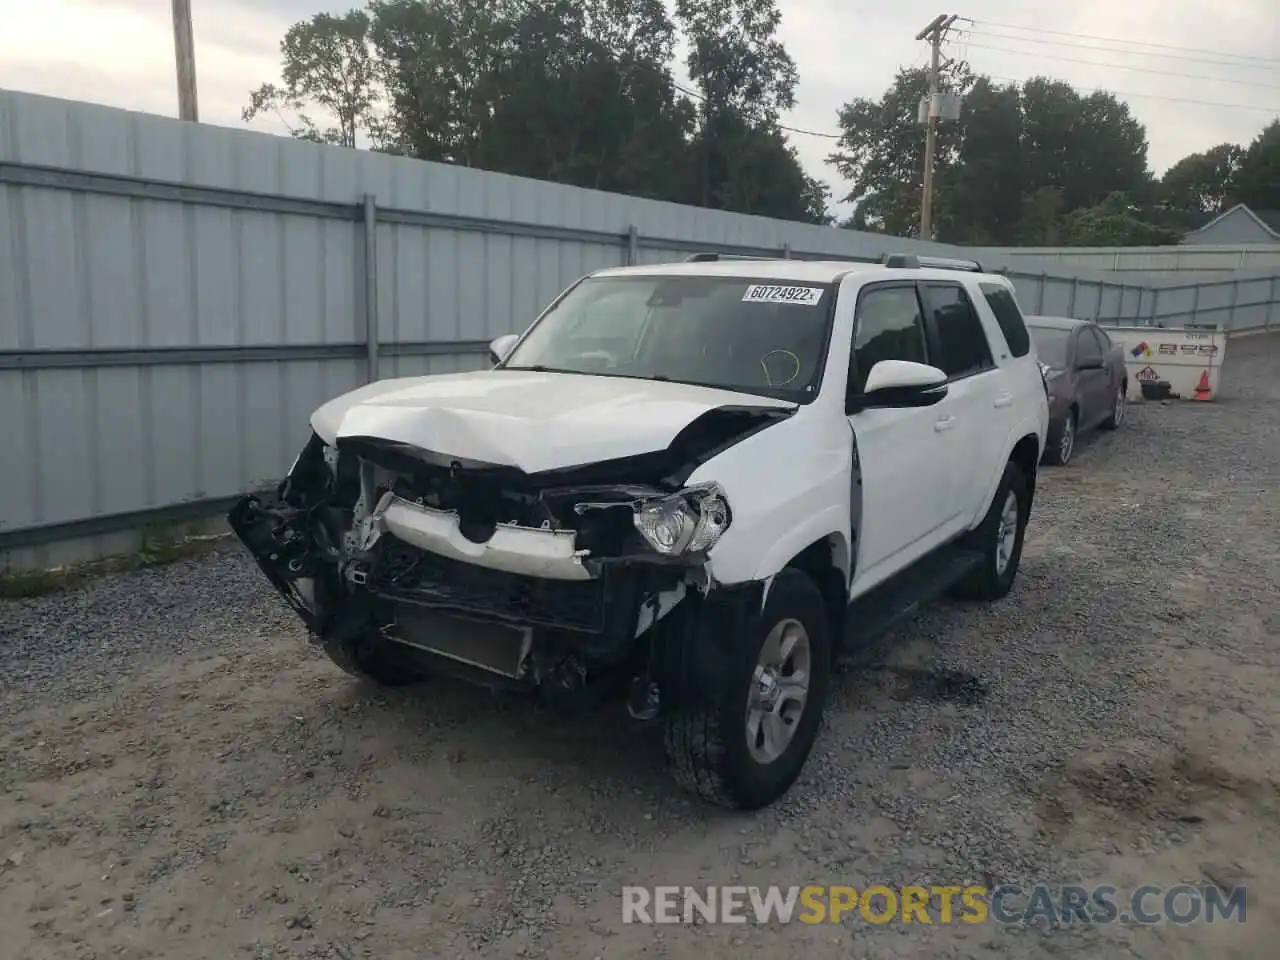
[[553, 581]]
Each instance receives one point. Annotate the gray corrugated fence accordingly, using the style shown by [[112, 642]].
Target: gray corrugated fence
[[176, 298]]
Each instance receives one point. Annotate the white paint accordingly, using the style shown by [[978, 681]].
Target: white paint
[[768, 293], [533, 421], [895, 374], [928, 473]]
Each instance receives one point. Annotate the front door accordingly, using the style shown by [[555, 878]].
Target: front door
[[903, 454]]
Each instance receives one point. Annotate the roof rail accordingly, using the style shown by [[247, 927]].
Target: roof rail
[[711, 257], [909, 261]]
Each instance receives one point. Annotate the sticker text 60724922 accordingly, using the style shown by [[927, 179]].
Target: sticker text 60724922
[[772, 293]]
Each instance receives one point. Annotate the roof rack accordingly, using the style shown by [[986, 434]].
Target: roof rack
[[909, 261], [711, 257]]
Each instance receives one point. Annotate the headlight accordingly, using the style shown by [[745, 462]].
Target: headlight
[[691, 521]]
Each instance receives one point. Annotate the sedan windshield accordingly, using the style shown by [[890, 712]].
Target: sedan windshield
[[754, 336], [1051, 345]]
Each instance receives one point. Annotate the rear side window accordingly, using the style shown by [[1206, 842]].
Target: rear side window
[[1002, 304], [962, 342]]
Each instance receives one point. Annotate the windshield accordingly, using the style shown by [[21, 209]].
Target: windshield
[[1051, 345], [736, 333]]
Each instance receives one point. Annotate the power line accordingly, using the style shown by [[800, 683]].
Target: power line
[[1153, 96], [780, 126], [1140, 43], [1127, 53], [1123, 66]]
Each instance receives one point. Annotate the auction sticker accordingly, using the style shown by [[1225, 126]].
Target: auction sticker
[[769, 293]]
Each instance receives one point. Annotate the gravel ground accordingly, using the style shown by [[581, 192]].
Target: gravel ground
[[182, 776]]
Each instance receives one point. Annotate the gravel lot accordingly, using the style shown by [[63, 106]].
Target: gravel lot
[[182, 776]]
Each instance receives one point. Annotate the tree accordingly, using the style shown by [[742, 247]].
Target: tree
[[881, 152], [1258, 180], [1205, 181], [980, 196], [1115, 222], [745, 78], [327, 63], [1017, 162]]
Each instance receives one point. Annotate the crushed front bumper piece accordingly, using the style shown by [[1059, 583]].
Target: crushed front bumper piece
[[537, 583]]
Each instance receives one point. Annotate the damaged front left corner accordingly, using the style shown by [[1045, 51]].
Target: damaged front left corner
[[556, 582]]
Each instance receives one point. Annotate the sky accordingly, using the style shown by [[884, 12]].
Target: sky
[[1195, 73]]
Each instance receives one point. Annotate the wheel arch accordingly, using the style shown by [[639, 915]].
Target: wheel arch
[[1025, 451]]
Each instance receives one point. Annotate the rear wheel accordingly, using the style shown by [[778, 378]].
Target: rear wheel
[[1119, 410], [745, 747]]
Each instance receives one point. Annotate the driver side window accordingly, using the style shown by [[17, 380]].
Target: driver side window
[[1088, 350], [889, 325]]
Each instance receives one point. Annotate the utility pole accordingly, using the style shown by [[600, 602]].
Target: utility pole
[[184, 49], [935, 33]]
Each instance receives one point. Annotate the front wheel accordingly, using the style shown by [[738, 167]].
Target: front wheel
[[745, 747], [1058, 453], [370, 656], [998, 539]]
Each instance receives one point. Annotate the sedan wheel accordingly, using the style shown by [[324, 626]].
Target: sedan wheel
[[1119, 409], [1059, 452]]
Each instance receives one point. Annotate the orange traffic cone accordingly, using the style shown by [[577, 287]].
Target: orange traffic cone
[[1202, 388]]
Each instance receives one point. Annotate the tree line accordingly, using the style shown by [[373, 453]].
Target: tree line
[[583, 92]]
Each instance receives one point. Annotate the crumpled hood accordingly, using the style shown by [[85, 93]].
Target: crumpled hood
[[529, 420]]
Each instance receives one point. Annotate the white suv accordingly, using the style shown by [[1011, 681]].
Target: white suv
[[687, 485]]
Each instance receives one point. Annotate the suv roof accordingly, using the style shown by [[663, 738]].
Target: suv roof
[[1055, 323], [810, 271]]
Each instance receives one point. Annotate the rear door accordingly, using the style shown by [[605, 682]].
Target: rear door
[[975, 384], [1094, 390]]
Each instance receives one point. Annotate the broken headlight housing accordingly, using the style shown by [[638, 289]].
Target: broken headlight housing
[[688, 522]]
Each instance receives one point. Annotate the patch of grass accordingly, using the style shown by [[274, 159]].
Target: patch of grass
[[157, 545]]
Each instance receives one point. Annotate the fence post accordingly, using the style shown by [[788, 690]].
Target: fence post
[[1271, 305], [786, 251], [633, 245], [1097, 310], [1155, 307], [1044, 282], [371, 286], [1231, 307], [1195, 305], [1071, 303]]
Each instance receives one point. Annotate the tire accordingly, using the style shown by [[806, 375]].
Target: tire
[[1119, 410], [994, 575], [370, 656], [1059, 452], [707, 746]]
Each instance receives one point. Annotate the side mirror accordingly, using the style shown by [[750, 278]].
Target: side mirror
[[499, 347], [900, 383]]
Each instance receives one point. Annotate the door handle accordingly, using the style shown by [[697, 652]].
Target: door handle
[[1004, 400], [943, 424]]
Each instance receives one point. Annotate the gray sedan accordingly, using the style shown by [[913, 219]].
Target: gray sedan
[[1087, 377]]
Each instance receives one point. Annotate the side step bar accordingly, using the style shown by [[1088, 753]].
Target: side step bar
[[889, 604]]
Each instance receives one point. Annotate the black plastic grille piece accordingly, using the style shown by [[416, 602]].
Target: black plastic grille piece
[[405, 573]]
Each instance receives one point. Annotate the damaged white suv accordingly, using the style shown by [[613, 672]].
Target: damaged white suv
[[685, 485]]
